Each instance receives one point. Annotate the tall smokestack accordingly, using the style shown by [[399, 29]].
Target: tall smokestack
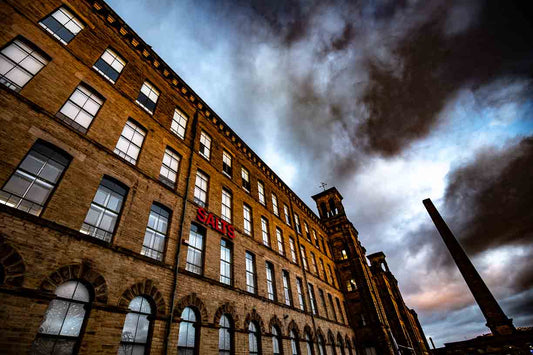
[[497, 321]]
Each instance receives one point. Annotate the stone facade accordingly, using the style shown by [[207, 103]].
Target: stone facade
[[41, 251]]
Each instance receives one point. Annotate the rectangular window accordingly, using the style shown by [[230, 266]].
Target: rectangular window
[[287, 216], [323, 270], [226, 205], [303, 255], [156, 232], [81, 108], [313, 263], [287, 294], [340, 309], [323, 300], [264, 231], [226, 164], [281, 244], [103, 214], [250, 272], [261, 193], [315, 238], [312, 300], [179, 123], [324, 245], [293, 250], [245, 179], [247, 216], [110, 65], [31, 185], [169, 167], [332, 280], [195, 249], [344, 254], [306, 230], [275, 208], [200, 188], [271, 284], [20, 61], [225, 262], [351, 285], [62, 25], [130, 142], [299, 290], [297, 224], [332, 306], [148, 97], [205, 145]]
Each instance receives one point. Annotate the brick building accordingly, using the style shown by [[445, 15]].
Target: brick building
[[134, 220]]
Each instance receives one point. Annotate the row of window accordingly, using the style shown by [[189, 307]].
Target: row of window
[[65, 318], [195, 262]]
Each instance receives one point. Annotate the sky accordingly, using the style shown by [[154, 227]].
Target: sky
[[392, 102]]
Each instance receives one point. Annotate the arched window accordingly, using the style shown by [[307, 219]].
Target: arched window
[[309, 344], [349, 347], [295, 349], [277, 347], [225, 336], [321, 347], [136, 327], [60, 330], [189, 333], [324, 209], [341, 345], [254, 340]]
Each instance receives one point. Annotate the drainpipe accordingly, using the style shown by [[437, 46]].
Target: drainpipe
[[178, 249]]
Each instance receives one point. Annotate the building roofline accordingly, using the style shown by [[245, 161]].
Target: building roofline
[[331, 190], [134, 41]]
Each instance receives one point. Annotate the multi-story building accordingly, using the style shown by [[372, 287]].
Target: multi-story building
[[133, 220]]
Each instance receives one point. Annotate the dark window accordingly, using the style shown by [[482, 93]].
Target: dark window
[[323, 300], [340, 309], [136, 328], [309, 344], [321, 347], [105, 209], [195, 250], [225, 262], [156, 232], [148, 96], [62, 24], [19, 62], [110, 65], [225, 336], [271, 283], [189, 333], [81, 108], [31, 185], [60, 331], [332, 305], [323, 209], [250, 273], [312, 300]]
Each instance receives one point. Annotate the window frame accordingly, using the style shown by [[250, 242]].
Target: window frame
[[275, 207], [202, 147], [247, 209], [111, 181], [138, 128], [196, 325], [150, 318], [72, 122], [301, 294], [199, 231], [287, 214], [224, 207], [185, 117], [117, 57], [227, 169], [74, 17], [252, 272], [169, 220], [261, 197], [292, 247], [281, 241], [245, 176], [165, 180], [265, 232], [34, 48], [196, 200], [56, 150], [229, 246], [153, 89], [271, 283], [287, 291], [231, 333]]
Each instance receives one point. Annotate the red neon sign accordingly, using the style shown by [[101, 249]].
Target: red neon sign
[[215, 223]]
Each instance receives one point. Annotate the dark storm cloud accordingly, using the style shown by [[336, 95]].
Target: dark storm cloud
[[404, 106]]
